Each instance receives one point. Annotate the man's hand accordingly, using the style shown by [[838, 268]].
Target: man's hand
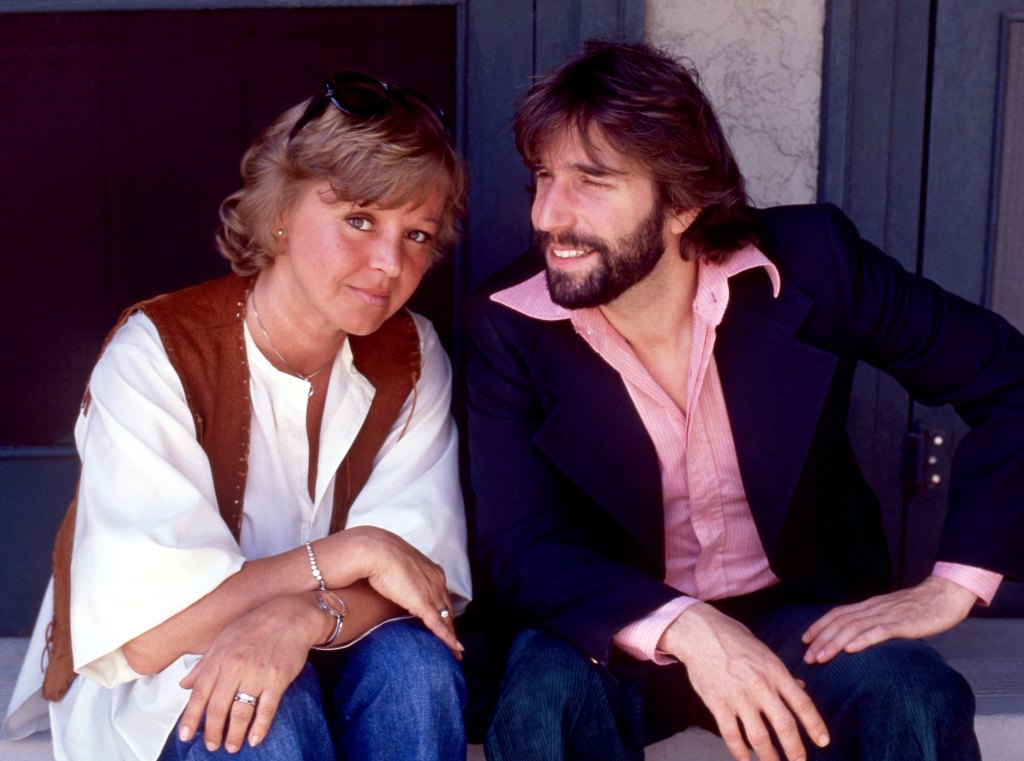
[[743, 684], [932, 607]]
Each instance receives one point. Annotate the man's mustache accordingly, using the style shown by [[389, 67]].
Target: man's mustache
[[571, 238]]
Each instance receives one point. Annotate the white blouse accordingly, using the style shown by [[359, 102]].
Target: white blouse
[[149, 539]]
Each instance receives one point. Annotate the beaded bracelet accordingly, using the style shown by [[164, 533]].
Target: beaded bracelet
[[313, 567]]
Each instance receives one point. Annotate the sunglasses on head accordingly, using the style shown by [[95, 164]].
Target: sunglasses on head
[[364, 97]]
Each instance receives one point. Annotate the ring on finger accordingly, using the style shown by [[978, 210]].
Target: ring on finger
[[444, 613], [245, 697]]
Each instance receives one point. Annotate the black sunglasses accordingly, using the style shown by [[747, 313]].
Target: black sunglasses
[[363, 96]]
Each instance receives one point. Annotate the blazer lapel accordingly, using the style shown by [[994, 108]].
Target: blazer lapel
[[775, 388], [595, 436]]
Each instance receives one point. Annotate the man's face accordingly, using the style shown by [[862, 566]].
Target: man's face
[[598, 222]]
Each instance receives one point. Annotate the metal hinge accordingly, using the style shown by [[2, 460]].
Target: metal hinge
[[925, 459]]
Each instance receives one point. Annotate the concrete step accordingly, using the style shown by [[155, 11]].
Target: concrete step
[[988, 652]]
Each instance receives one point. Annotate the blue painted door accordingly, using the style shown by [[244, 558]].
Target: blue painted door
[[923, 127]]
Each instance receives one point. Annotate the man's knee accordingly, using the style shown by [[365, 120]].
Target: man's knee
[[551, 671], [557, 703], [907, 675], [902, 694]]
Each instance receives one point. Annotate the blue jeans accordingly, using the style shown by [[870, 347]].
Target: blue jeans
[[397, 694], [897, 701]]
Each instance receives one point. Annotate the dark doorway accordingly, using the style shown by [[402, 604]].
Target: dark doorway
[[126, 134]]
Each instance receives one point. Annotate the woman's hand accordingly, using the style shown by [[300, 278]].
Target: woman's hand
[[260, 654], [396, 570]]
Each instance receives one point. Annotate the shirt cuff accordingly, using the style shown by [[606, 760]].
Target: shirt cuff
[[640, 639], [977, 580], [110, 670]]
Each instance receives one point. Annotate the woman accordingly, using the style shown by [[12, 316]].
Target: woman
[[231, 427]]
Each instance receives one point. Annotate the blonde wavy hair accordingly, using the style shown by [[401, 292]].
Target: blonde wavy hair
[[391, 159]]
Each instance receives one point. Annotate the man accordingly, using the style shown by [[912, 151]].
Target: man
[[667, 500]]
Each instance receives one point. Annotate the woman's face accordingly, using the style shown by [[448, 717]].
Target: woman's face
[[347, 268]]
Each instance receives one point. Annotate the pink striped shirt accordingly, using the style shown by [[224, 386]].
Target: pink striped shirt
[[712, 549]]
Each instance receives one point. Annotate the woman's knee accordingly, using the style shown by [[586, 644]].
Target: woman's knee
[[404, 655], [299, 730], [399, 694], [403, 668]]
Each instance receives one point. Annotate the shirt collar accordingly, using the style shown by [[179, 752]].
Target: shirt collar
[[532, 299]]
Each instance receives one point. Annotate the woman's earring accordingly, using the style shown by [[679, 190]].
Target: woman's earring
[[279, 232]]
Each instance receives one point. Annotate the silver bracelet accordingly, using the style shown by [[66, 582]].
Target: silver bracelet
[[332, 605], [313, 567]]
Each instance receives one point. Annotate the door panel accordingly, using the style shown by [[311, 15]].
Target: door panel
[[927, 125], [968, 164], [1007, 293], [873, 110]]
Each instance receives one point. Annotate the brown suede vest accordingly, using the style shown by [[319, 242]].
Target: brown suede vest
[[201, 330]]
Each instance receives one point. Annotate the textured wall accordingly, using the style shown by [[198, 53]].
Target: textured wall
[[760, 61]]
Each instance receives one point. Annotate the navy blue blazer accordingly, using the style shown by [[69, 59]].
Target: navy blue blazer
[[569, 522]]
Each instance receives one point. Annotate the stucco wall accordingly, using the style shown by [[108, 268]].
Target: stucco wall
[[760, 61]]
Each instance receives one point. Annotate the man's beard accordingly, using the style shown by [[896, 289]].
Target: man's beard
[[618, 269]]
